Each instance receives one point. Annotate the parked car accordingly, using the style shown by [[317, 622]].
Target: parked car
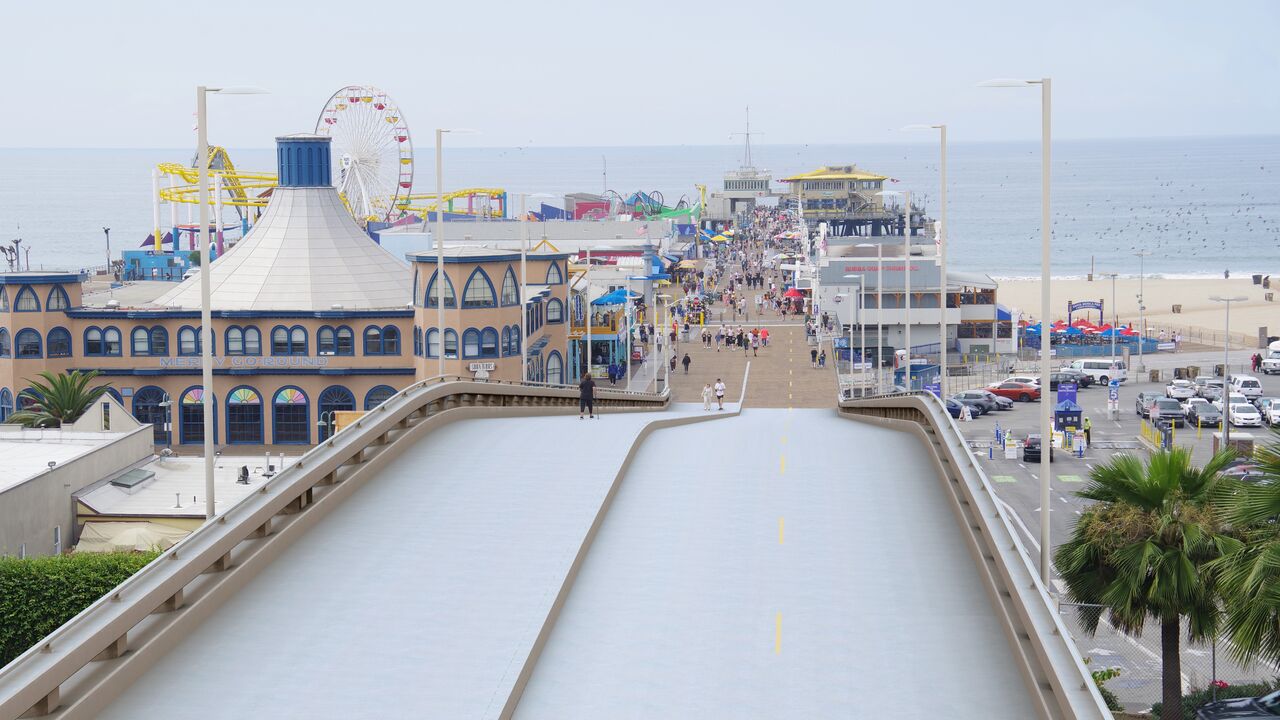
[[1103, 371], [1031, 449], [1246, 385], [1234, 399], [1241, 468], [1022, 392], [1026, 379], [1254, 708], [1203, 414], [976, 407], [1211, 389], [979, 396], [1002, 403], [1245, 415], [1142, 403], [1167, 410], [1180, 389], [1070, 374], [953, 407], [1269, 408]]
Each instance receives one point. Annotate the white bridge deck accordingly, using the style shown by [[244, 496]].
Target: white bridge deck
[[422, 595]]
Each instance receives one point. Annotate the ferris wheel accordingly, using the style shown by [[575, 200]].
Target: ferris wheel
[[372, 151]]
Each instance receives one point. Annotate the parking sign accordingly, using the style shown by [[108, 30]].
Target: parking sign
[[1113, 391]]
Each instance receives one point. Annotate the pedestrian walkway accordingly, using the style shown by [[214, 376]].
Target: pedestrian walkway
[[781, 375]]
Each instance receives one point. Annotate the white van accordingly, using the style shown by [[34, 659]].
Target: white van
[[1102, 371], [1246, 385]]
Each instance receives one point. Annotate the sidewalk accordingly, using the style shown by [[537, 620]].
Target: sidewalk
[[781, 376]]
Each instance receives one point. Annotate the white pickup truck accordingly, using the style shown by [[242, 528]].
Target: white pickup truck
[[1271, 363]]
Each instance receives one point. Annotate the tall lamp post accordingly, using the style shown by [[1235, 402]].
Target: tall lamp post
[[206, 269], [1115, 319], [1046, 470], [440, 277], [906, 275], [1142, 308], [524, 280], [942, 255], [1226, 367]]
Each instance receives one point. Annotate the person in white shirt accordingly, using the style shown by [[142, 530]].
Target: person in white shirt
[[706, 396], [720, 393]]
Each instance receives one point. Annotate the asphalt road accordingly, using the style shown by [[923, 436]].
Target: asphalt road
[[1017, 485]]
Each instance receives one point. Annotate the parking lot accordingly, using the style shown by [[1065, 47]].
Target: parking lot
[[1017, 486]]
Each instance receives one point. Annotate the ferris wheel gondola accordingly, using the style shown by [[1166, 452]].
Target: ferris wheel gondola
[[372, 151]]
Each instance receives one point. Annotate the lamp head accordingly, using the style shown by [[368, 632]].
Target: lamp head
[[920, 126], [237, 90], [1007, 82]]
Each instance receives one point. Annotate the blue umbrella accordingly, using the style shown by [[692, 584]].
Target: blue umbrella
[[1074, 331]]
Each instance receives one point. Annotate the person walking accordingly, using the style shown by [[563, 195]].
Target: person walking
[[586, 396], [813, 357], [1088, 431], [685, 362], [707, 392], [755, 346], [822, 360], [719, 388], [672, 365]]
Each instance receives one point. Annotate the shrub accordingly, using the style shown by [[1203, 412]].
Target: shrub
[[1193, 700], [38, 595]]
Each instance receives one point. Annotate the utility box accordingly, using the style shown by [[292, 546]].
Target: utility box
[[1242, 443], [1067, 414], [1153, 376]]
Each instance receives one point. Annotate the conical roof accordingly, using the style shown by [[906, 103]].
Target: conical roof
[[305, 253]]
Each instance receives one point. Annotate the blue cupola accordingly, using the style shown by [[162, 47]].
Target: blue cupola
[[303, 160]]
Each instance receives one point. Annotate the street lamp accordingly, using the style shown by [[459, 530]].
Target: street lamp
[[659, 356], [1142, 308], [524, 281], [1046, 92], [440, 278], [1115, 319], [906, 274], [942, 257], [206, 268], [167, 404], [327, 420], [862, 327], [1226, 367]]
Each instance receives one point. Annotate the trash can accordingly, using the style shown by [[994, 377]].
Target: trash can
[[1257, 279], [1219, 370], [1179, 373], [1193, 372], [1154, 376], [1177, 309]]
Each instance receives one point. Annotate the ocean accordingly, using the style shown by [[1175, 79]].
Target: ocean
[[1200, 206]]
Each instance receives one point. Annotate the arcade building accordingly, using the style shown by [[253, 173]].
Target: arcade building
[[310, 317]]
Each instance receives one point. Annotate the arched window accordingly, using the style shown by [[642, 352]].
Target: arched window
[[4, 300], [433, 343], [471, 343], [191, 416], [298, 340], [506, 341], [450, 300], [111, 345], [417, 341], [510, 288], [234, 341], [516, 340], [373, 340], [555, 368], [140, 341], [555, 311], [26, 344], [5, 349], [391, 340], [252, 341], [244, 416], [377, 396], [159, 341], [334, 399], [290, 417], [188, 341], [26, 301], [58, 343], [478, 292], [346, 341], [554, 276], [326, 341], [57, 299], [450, 343], [6, 404], [489, 343], [147, 408], [92, 342], [288, 341]]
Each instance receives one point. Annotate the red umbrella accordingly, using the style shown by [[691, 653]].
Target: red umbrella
[[793, 293]]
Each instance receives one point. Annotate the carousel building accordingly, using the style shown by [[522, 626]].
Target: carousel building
[[310, 316]]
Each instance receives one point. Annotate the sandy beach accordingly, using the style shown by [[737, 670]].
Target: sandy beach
[[1199, 319]]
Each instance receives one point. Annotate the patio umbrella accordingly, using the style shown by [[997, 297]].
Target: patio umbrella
[[793, 293], [1073, 331]]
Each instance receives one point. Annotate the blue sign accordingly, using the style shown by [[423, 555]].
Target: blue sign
[[1113, 391], [1085, 305], [935, 388], [1066, 391]]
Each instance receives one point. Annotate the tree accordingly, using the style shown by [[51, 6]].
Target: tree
[[1249, 579], [1140, 552], [194, 258], [59, 399]]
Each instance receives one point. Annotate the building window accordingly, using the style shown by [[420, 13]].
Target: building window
[[111, 342], [188, 341], [373, 340], [92, 342], [433, 343], [555, 311], [555, 368], [471, 343], [333, 400], [326, 342], [191, 417], [489, 343], [244, 417], [450, 300], [346, 341], [159, 341], [450, 344], [5, 349], [147, 408], [478, 292], [141, 341], [26, 344], [290, 417], [234, 341], [4, 300], [6, 404], [378, 395], [390, 340], [288, 341], [510, 289], [417, 341], [516, 340], [554, 276], [244, 341], [26, 300], [57, 299], [58, 344], [506, 342]]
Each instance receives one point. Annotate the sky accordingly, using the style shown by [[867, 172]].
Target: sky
[[575, 73]]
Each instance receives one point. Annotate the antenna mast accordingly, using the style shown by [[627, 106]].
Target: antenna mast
[[746, 137]]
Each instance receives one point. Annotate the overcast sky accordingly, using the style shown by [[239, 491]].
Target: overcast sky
[[569, 72]]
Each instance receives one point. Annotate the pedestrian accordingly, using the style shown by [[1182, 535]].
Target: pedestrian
[[673, 362], [586, 396], [1088, 431], [707, 392], [755, 346], [685, 362], [822, 360], [813, 357], [719, 388]]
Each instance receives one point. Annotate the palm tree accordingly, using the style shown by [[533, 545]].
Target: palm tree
[[1139, 552], [58, 399], [1249, 579]]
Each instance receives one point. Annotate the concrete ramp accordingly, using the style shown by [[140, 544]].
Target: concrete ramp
[[782, 564]]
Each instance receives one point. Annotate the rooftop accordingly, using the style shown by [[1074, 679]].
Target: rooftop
[[177, 490], [30, 277], [836, 172], [27, 453]]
